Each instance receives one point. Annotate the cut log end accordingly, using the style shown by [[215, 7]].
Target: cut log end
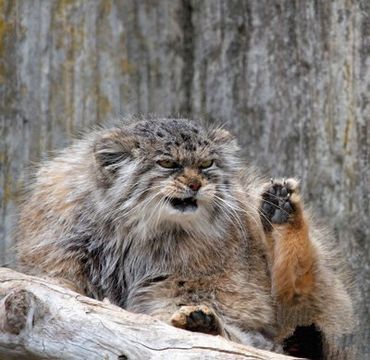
[[18, 310]]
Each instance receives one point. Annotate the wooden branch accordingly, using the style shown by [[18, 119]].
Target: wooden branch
[[41, 320]]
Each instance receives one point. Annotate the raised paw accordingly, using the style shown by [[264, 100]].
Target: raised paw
[[197, 318], [279, 202]]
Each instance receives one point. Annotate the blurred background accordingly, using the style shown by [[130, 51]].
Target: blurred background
[[291, 78]]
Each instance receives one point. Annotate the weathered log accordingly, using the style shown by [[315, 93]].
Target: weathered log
[[42, 320]]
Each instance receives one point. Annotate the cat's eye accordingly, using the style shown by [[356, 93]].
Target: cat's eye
[[206, 164], [168, 164]]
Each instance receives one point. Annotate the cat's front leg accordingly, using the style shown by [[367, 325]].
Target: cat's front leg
[[198, 318], [201, 318], [292, 255]]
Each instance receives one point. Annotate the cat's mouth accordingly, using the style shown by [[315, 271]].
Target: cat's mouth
[[184, 204]]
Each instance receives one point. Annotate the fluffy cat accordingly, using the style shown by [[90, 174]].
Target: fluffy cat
[[162, 217]]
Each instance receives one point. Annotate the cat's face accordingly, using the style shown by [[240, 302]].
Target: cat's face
[[170, 171]]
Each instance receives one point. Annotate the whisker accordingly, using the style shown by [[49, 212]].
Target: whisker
[[234, 212], [259, 211]]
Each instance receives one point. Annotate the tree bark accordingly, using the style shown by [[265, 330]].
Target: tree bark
[[41, 320]]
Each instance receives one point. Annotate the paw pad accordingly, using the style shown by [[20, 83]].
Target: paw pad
[[197, 319], [277, 205]]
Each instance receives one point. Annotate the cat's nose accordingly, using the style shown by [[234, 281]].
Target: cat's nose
[[194, 184]]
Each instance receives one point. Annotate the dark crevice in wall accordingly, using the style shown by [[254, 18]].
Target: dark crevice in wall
[[187, 74]]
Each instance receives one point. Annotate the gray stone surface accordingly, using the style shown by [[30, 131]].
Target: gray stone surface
[[291, 78]]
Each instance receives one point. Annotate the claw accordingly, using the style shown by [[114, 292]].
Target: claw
[[283, 192], [284, 182], [272, 180]]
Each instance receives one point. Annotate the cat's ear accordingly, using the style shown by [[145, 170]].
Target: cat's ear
[[225, 140], [111, 149], [221, 136]]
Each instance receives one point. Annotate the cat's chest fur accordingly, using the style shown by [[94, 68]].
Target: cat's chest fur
[[135, 262]]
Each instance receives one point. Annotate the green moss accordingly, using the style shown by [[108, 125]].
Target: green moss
[[348, 76], [104, 105], [347, 132], [63, 5], [5, 28], [2, 73], [105, 7], [127, 67]]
